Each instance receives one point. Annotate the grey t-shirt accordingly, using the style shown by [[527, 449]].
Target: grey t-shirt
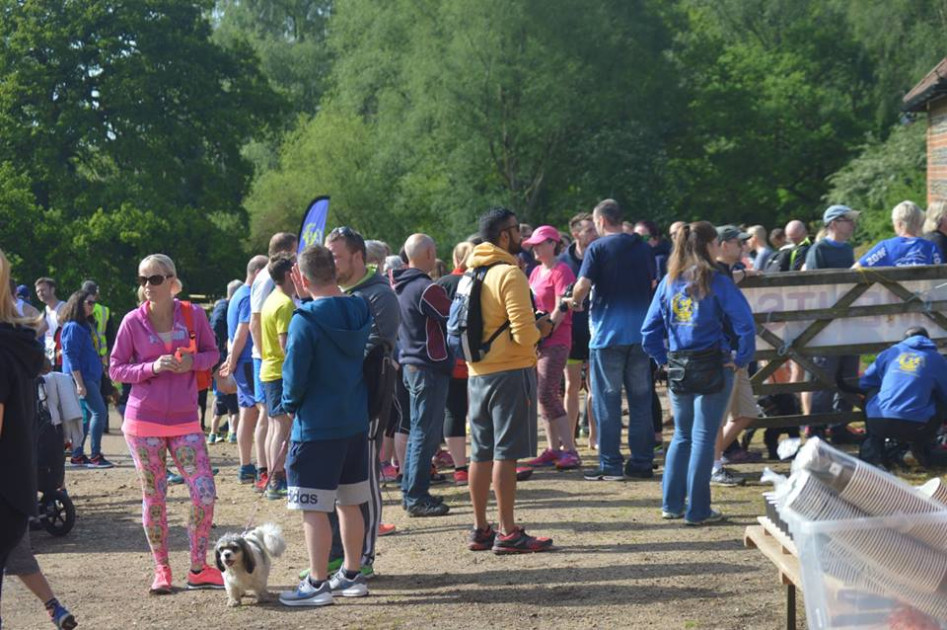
[[829, 254]]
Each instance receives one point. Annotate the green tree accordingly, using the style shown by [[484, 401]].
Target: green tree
[[127, 119]]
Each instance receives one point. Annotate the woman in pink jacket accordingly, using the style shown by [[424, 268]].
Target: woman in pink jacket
[[154, 352]]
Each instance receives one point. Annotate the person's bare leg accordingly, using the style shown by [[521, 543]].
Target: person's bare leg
[[259, 437], [573, 379], [401, 446], [318, 536], [387, 449], [215, 424], [561, 427], [552, 435], [233, 423], [593, 429], [732, 431], [480, 478], [457, 447], [504, 489], [277, 435], [37, 583], [248, 422], [352, 528]]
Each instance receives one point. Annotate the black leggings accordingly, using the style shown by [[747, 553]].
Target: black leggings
[[455, 416], [12, 527]]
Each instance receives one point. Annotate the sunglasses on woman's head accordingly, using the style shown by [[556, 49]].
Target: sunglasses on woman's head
[[155, 280]]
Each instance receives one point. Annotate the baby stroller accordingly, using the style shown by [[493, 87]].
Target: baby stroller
[[57, 513]]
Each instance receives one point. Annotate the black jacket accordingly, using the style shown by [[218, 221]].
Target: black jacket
[[21, 358]]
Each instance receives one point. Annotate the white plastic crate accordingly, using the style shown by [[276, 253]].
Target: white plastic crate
[[846, 588]]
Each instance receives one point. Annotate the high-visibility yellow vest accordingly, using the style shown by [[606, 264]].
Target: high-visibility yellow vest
[[101, 313]]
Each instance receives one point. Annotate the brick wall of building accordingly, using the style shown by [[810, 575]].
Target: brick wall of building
[[937, 150]]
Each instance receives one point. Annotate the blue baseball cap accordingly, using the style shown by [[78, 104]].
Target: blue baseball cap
[[23, 292], [837, 212]]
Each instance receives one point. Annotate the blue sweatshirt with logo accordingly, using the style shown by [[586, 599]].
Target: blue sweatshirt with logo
[[322, 374], [679, 322], [908, 377]]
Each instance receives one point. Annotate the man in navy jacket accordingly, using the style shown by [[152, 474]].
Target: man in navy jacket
[[426, 364]]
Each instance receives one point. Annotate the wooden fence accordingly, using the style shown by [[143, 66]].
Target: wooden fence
[[852, 285]]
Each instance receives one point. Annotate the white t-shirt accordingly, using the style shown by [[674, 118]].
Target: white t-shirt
[[19, 307], [261, 288], [52, 323]]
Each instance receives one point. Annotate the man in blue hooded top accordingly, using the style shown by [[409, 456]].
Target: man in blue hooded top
[[907, 394], [327, 463]]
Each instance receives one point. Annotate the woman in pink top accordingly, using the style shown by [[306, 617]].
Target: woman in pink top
[[549, 281], [153, 352]]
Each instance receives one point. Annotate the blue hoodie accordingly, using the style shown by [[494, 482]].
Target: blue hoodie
[[688, 324], [322, 374], [908, 376]]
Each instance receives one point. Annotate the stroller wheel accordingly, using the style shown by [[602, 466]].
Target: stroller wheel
[[57, 512]]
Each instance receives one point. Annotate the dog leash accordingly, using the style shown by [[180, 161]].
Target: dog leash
[[256, 505]]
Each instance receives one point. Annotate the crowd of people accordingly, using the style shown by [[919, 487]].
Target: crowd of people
[[339, 367]]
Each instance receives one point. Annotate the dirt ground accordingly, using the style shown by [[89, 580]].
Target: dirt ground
[[616, 564]]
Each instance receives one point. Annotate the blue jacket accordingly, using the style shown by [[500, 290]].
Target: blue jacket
[[79, 353], [424, 311], [322, 374], [908, 376], [678, 322]]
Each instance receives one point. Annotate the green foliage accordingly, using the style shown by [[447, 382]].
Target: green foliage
[[883, 175], [128, 123]]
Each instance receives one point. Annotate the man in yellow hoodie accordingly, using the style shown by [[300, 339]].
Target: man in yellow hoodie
[[502, 387]]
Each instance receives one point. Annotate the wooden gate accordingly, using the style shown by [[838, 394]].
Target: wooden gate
[[923, 303]]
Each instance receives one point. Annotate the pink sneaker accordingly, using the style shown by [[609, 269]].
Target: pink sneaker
[[443, 460], [389, 473], [208, 578], [162, 583], [568, 461], [547, 458], [385, 529]]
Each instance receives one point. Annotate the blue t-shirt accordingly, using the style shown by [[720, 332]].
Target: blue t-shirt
[[621, 268], [902, 251], [238, 312]]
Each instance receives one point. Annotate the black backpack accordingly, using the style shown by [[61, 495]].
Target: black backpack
[[779, 261], [465, 322]]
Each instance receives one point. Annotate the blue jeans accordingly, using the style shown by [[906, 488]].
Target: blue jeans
[[94, 417], [613, 367], [690, 458], [428, 391]]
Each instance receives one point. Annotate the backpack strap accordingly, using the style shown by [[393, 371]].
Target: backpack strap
[[482, 272], [187, 310]]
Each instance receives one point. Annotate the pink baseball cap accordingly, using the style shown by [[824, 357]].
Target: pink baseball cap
[[543, 233]]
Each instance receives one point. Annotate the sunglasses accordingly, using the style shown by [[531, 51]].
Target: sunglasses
[[155, 280], [345, 231]]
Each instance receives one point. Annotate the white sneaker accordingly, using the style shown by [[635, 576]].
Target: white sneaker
[[725, 478], [308, 595], [341, 585], [670, 516]]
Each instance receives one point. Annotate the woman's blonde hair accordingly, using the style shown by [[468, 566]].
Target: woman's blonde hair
[[910, 216], [935, 214], [8, 313], [167, 265], [461, 252]]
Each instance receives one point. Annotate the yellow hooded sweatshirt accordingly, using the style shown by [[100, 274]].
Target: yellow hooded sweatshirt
[[505, 296]]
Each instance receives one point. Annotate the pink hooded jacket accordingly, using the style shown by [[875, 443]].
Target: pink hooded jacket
[[165, 404]]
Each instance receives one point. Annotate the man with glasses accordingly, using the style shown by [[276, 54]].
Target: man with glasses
[[834, 252], [502, 387]]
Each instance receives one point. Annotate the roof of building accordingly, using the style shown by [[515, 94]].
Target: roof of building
[[931, 88]]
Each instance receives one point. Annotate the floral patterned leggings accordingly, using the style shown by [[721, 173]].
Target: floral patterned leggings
[[189, 453]]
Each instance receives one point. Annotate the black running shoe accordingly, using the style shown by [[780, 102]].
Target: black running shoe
[[481, 539], [518, 541]]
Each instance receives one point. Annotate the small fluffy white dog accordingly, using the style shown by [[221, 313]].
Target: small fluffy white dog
[[245, 561]]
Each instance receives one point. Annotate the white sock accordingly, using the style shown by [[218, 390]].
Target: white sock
[[718, 465]]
